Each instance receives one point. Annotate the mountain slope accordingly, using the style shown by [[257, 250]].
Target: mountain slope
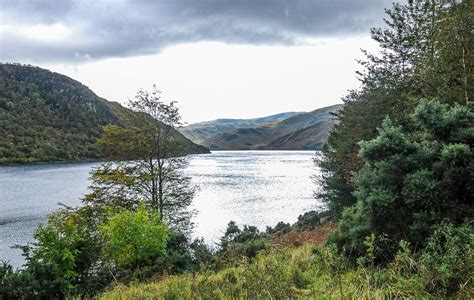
[[200, 132], [301, 131], [304, 120], [308, 138], [240, 139], [46, 116]]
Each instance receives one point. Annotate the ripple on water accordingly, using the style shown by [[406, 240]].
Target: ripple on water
[[250, 187]]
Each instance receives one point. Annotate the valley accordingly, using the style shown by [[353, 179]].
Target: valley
[[285, 131]]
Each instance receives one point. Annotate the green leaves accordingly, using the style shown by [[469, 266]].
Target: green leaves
[[389, 142], [442, 122], [58, 246], [147, 163], [419, 187], [134, 238], [413, 180], [426, 52]]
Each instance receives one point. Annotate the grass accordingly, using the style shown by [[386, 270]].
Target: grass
[[305, 272]]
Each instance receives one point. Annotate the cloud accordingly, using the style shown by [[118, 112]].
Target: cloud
[[93, 30]]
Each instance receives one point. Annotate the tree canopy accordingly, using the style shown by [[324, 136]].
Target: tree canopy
[[154, 175], [400, 162]]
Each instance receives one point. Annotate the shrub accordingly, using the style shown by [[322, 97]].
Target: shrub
[[412, 181], [237, 244], [133, 239], [308, 220], [447, 262]]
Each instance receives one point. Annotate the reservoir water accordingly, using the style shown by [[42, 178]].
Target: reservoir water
[[257, 188]]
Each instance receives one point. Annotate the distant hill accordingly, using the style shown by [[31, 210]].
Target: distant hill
[[200, 132], [46, 116], [241, 139], [292, 131], [307, 138]]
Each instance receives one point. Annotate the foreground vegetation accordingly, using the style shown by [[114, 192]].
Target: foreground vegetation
[[442, 270], [397, 178]]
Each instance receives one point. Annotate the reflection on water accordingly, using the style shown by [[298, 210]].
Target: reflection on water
[[250, 187]]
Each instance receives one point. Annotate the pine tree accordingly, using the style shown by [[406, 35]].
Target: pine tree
[[426, 52]]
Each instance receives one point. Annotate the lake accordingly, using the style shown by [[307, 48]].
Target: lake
[[257, 188]]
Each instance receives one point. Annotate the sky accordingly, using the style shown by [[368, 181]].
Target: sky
[[217, 58]]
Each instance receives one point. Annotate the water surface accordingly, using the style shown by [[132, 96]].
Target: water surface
[[250, 187]]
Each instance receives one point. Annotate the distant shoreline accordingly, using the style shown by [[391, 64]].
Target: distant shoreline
[[55, 162], [84, 161]]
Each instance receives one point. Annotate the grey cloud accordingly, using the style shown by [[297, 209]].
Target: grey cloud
[[117, 28], [37, 11]]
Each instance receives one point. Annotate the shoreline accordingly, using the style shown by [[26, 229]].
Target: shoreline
[[55, 162], [83, 161]]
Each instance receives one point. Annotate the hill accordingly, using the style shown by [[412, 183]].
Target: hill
[[46, 116], [307, 138], [200, 132], [241, 139], [303, 131]]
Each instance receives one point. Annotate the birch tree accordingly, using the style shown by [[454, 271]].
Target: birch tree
[[146, 162]]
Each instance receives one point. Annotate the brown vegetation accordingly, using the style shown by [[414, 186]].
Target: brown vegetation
[[316, 236]]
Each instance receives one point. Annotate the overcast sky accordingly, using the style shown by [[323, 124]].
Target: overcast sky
[[226, 58]]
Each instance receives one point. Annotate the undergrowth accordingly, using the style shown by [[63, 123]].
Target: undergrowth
[[320, 272]]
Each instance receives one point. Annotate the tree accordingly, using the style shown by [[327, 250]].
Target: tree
[[119, 232], [413, 180], [59, 261], [146, 162], [448, 74], [426, 52]]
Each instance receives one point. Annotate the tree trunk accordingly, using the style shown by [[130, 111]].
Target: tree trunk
[[160, 188], [153, 182], [160, 194], [466, 97]]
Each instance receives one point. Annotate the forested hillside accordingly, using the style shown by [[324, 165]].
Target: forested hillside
[[45, 116]]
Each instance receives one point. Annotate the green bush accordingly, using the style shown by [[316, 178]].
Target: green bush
[[412, 181], [447, 262], [308, 220], [133, 239], [280, 227], [185, 256], [241, 243], [60, 261]]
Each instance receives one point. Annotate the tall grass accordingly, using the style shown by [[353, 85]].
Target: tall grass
[[310, 272]]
